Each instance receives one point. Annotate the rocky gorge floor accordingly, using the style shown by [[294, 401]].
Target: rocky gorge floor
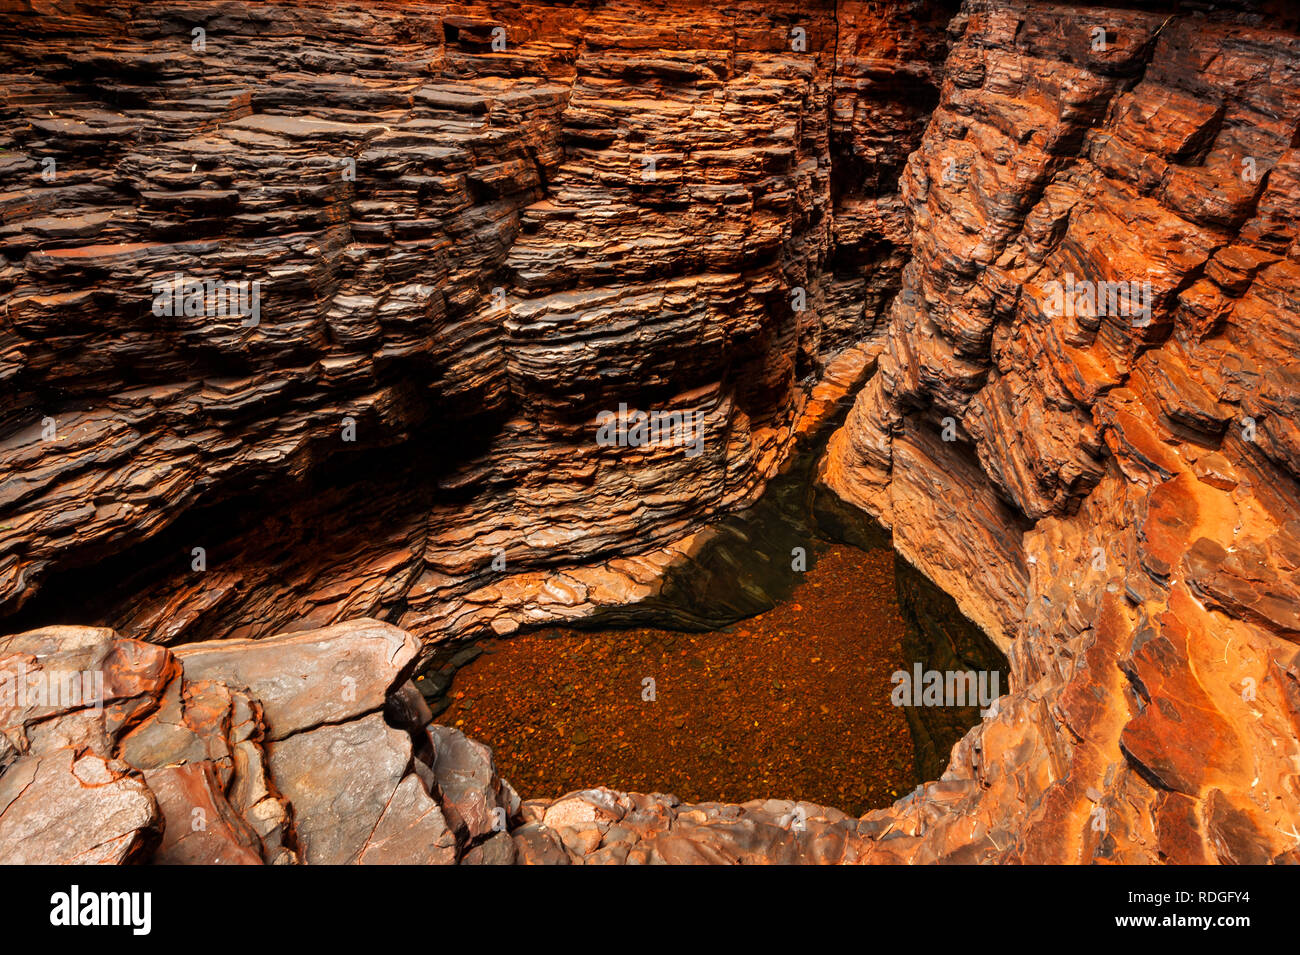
[[315, 747], [476, 228], [794, 702]]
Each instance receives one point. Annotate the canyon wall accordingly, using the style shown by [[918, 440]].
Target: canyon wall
[[476, 227], [1111, 494]]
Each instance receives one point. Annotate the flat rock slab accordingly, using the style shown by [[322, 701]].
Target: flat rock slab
[[412, 831], [56, 809], [341, 781], [308, 679]]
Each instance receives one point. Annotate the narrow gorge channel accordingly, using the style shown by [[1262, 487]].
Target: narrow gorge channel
[[523, 432], [785, 686]]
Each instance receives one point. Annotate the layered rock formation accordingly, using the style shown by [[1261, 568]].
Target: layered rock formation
[[1111, 494], [478, 226]]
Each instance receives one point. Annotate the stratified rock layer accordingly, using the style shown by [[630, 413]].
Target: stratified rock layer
[[476, 228], [1112, 496], [469, 248]]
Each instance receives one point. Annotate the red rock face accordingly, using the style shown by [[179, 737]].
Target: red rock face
[[1126, 484], [478, 227], [299, 748]]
